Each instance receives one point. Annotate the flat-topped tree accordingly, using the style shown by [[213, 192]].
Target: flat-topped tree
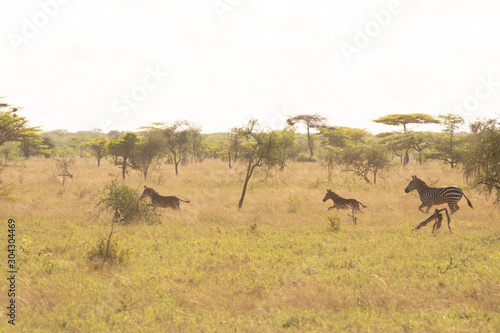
[[405, 119], [311, 121], [407, 140]]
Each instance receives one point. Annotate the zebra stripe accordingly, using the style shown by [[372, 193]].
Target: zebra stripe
[[431, 196], [160, 200]]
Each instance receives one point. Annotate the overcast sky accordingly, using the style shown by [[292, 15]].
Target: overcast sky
[[122, 64]]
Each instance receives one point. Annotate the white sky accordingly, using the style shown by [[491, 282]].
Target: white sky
[[258, 59]]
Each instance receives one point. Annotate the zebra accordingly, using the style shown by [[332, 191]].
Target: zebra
[[341, 203], [431, 196], [160, 200]]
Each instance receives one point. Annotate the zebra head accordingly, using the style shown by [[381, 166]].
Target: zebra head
[[329, 195], [147, 192], [413, 185]]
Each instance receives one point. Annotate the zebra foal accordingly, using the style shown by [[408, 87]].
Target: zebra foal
[[160, 200], [431, 196], [341, 203]]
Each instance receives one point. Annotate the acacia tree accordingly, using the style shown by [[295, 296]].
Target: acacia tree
[[233, 146], [12, 126], [343, 137], [122, 150], [177, 139], [145, 153], [363, 159], [32, 144], [482, 162], [8, 150], [98, 147], [310, 121], [408, 140], [448, 147], [260, 148], [405, 119]]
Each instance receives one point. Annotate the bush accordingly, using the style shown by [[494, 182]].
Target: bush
[[125, 204], [107, 250], [333, 223]]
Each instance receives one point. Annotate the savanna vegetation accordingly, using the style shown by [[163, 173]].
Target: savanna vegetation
[[91, 256]]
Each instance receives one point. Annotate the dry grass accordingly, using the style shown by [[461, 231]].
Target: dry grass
[[274, 266]]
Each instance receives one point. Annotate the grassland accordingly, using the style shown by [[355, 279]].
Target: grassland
[[277, 265]]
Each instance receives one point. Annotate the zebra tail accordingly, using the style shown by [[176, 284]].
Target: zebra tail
[[362, 204], [468, 201], [186, 201]]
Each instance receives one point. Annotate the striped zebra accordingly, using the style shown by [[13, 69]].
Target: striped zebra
[[431, 196], [160, 200], [341, 203]]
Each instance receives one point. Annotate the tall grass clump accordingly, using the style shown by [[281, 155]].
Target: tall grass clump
[[125, 204], [333, 223], [108, 250]]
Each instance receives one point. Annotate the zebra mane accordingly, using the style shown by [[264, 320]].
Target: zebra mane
[[333, 194], [418, 180]]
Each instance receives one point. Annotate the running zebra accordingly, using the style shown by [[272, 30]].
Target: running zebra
[[341, 203], [160, 200], [431, 196]]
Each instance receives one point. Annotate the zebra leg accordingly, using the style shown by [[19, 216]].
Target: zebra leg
[[423, 224], [438, 218], [421, 206], [449, 220], [453, 207]]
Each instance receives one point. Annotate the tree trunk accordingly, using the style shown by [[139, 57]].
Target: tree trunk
[[124, 168], [309, 142], [247, 178], [406, 158]]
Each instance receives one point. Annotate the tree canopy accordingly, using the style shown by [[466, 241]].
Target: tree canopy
[[12, 126], [262, 148], [482, 160], [310, 121], [122, 150], [405, 119]]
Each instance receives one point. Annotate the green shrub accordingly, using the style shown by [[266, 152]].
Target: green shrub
[[108, 250], [125, 204], [333, 223]]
